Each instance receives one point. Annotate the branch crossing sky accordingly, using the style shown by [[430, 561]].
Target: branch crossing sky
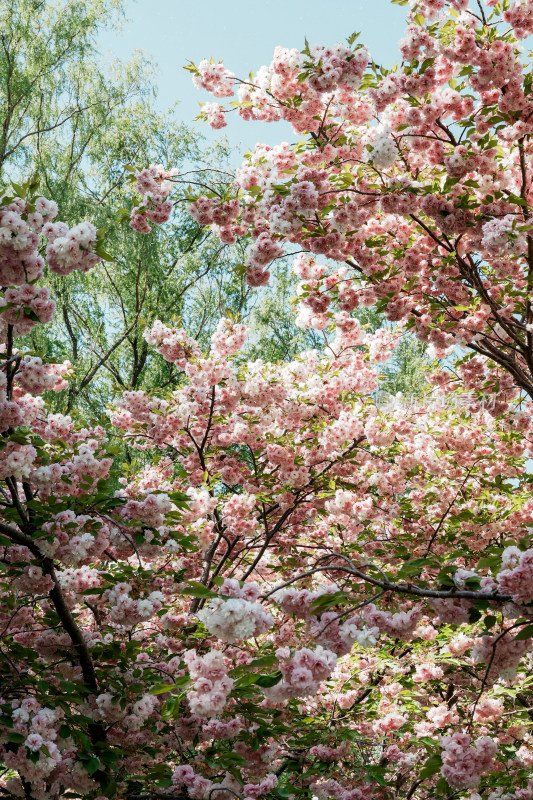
[[243, 34]]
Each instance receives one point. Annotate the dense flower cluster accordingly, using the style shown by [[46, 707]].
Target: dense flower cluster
[[296, 590], [307, 423], [211, 684], [463, 763], [302, 672], [214, 78], [25, 307], [516, 576], [154, 185], [70, 249], [21, 224], [238, 617], [174, 344], [384, 167]]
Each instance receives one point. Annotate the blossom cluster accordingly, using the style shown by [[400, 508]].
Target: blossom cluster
[[382, 166], [303, 672], [463, 763], [174, 344], [154, 185], [211, 684], [516, 576], [239, 616]]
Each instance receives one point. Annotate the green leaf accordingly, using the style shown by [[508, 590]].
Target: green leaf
[[179, 499], [463, 516], [162, 688], [103, 254], [412, 566], [377, 773], [525, 633], [20, 190], [432, 765], [182, 681], [269, 680], [92, 765], [513, 198], [197, 589], [246, 680], [427, 741], [263, 661], [327, 600]]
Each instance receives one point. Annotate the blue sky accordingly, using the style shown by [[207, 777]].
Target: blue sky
[[243, 33]]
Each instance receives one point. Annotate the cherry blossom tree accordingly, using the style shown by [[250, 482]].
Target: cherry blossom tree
[[416, 181], [298, 590]]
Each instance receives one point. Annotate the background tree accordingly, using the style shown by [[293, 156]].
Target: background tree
[[79, 123], [287, 598]]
